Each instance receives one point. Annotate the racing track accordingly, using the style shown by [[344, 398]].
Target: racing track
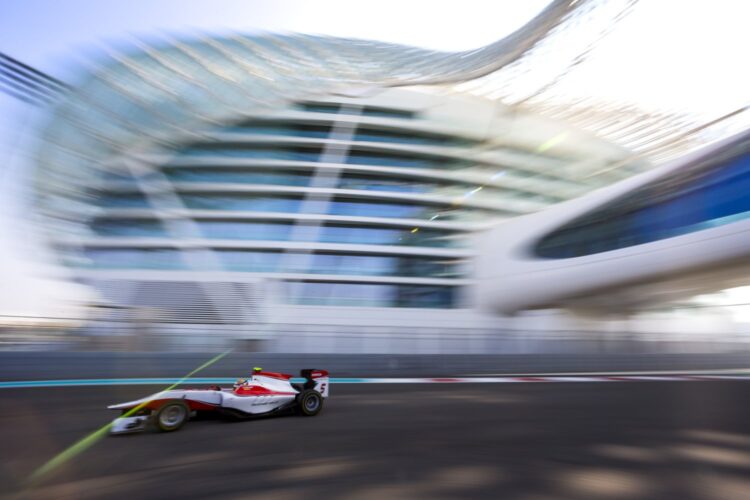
[[686, 440]]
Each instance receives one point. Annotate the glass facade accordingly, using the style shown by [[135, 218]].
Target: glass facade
[[239, 176], [371, 295], [346, 180], [324, 107], [337, 206], [360, 157], [391, 236], [279, 262], [123, 200], [128, 227], [312, 154], [134, 258], [386, 112], [373, 183], [242, 202], [704, 196], [365, 134], [276, 231], [319, 107], [250, 151], [278, 129], [186, 174]]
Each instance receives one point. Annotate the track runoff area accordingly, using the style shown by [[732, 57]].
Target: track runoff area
[[593, 435]]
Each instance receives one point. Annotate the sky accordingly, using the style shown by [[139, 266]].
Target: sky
[[679, 55]]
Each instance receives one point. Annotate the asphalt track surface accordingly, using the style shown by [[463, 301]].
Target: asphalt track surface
[[619, 440]]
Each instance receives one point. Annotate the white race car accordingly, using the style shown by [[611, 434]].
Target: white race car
[[264, 393]]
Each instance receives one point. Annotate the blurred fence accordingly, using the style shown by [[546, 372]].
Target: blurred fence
[[362, 340], [83, 365]]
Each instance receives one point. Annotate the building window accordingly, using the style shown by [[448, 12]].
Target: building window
[[371, 295], [708, 194]]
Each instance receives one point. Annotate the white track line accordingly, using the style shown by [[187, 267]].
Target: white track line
[[532, 379]]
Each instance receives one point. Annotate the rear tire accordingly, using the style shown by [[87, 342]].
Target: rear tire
[[309, 402], [171, 416]]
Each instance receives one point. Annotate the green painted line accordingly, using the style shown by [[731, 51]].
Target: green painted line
[[91, 439]]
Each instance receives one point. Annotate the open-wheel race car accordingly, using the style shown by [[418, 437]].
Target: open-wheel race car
[[262, 394]]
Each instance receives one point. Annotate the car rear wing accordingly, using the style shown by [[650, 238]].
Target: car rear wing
[[316, 379]]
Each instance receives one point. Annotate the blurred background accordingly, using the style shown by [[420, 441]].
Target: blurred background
[[173, 183]]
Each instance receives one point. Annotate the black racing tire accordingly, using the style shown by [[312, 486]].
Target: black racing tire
[[309, 402], [171, 416]]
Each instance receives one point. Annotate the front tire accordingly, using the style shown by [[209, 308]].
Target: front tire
[[171, 416], [309, 402]]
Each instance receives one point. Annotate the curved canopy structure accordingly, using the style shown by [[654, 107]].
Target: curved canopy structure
[[159, 95], [156, 94]]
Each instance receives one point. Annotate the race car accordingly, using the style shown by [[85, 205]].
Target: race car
[[262, 394]]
